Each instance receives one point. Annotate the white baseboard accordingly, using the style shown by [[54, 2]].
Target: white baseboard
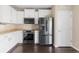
[[62, 46], [56, 46], [75, 48]]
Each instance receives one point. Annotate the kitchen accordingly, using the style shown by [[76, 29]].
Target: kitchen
[[42, 22]]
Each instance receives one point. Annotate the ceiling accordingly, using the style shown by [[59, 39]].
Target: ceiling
[[22, 7]]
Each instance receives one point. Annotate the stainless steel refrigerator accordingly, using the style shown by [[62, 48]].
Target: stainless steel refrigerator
[[46, 32]]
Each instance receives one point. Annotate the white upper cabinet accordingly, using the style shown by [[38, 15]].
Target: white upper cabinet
[[44, 12], [5, 13], [13, 16], [20, 17], [29, 13]]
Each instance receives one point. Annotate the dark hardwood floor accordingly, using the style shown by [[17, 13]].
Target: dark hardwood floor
[[31, 48]]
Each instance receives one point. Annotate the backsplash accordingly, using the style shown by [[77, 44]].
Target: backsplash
[[5, 28]]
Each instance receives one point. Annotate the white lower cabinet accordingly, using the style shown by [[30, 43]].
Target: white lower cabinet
[[7, 41], [4, 44]]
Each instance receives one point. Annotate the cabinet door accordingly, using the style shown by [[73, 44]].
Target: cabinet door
[[29, 13], [20, 17], [44, 13], [3, 44], [13, 16], [5, 13]]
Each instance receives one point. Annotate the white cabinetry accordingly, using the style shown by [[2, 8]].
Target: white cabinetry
[[8, 40], [29, 13], [13, 16], [44, 12], [5, 13], [20, 20], [20, 17]]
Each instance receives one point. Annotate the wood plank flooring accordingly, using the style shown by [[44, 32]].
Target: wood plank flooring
[[31, 48]]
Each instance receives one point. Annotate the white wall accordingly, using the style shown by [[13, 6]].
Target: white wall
[[75, 31], [63, 26], [8, 40]]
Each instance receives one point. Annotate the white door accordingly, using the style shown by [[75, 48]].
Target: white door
[[63, 29]]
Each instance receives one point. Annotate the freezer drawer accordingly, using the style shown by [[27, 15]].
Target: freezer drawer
[[44, 39]]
